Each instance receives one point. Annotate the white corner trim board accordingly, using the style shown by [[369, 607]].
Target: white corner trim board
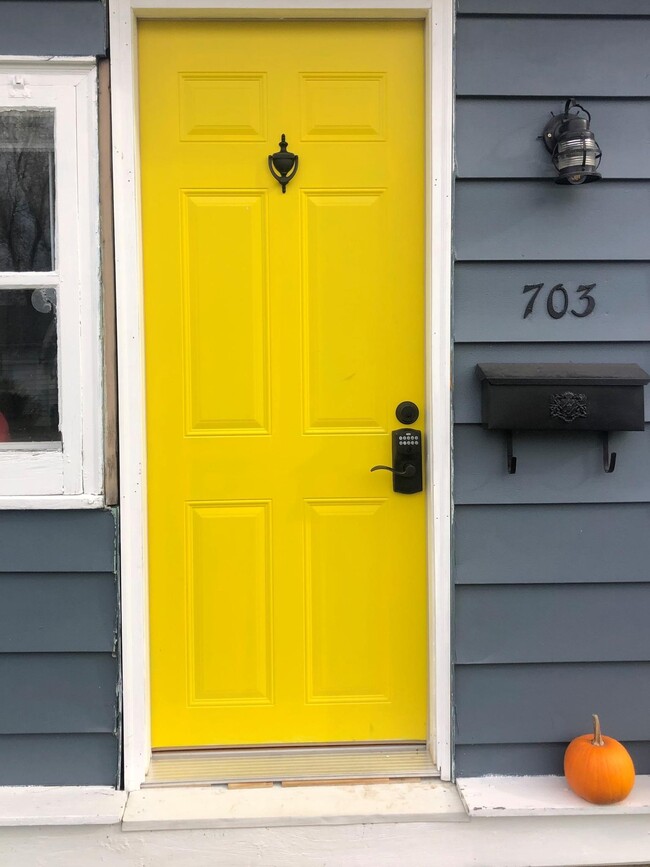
[[438, 16], [60, 805], [489, 797]]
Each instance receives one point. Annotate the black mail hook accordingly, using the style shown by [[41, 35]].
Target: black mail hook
[[285, 164], [609, 459], [511, 460]]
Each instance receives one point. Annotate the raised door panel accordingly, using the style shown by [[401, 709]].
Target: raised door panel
[[343, 106], [347, 599], [230, 630], [344, 239], [222, 107], [225, 295]]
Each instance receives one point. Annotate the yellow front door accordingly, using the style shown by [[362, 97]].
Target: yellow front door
[[287, 582]]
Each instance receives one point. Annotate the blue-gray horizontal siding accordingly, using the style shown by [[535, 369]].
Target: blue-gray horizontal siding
[[522, 220], [53, 27], [57, 692], [521, 56], [552, 623], [500, 138], [615, 8], [65, 612], [551, 703], [552, 544], [58, 760], [59, 671], [490, 303], [57, 541], [552, 564], [528, 759], [553, 467]]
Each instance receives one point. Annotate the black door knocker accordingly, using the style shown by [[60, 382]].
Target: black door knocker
[[285, 164]]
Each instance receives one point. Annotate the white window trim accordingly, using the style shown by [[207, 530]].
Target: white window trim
[[439, 18], [69, 476]]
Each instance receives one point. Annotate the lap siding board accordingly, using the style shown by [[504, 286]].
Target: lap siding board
[[551, 564], [58, 614]]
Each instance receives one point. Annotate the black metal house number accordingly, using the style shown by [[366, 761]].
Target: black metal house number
[[557, 300]]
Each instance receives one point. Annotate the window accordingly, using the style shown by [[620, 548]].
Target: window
[[50, 363]]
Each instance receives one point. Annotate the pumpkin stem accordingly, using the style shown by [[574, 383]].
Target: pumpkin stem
[[598, 738]]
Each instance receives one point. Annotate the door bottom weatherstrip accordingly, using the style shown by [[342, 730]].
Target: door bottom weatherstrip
[[290, 765]]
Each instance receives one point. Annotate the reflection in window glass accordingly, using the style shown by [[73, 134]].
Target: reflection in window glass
[[26, 190], [29, 408]]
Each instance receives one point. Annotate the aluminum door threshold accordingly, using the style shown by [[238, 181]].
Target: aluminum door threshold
[[290, 765]]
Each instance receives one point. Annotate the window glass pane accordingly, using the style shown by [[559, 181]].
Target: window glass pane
[[29, 408], [26, 190]]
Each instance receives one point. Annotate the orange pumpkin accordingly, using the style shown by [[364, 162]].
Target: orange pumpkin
[[598, 768]]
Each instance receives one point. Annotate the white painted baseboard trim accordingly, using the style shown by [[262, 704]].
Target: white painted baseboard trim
[[60, 805], [490, 797], [192, 808], [547, 841]]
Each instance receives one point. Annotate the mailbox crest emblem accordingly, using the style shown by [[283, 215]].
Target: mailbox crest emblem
[[568, 406]]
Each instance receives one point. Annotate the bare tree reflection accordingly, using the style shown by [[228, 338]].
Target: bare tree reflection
[[28, 332], [26, 190], [29, 404]]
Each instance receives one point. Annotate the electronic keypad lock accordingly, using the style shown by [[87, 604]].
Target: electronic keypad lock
[[407, 461]]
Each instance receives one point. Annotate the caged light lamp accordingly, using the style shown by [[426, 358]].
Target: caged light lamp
[[572, 145]]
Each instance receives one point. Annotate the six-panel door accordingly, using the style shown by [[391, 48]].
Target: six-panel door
[[287, 582]]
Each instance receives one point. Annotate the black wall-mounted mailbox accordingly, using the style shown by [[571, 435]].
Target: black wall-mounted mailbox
[[562, 397]]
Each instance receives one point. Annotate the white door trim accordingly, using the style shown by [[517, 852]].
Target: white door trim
[[439, 18]]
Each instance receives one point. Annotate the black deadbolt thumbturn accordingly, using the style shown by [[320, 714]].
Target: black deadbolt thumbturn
[[407, 412]]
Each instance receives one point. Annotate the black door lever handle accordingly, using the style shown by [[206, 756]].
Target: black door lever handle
[[407, 461], [408, 471]]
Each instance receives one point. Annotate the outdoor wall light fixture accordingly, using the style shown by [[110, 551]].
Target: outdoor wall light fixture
[[573, 148]]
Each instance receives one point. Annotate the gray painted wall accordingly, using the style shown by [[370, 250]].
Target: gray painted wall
[[53, 27], [59, 667], [552, 565]]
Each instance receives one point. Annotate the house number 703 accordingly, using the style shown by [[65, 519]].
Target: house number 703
[[557, 300]]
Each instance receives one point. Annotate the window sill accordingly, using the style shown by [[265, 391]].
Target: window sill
[[489, 797], [54, 501], [60, 805]]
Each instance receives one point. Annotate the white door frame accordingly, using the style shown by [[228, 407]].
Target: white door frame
[[439, 21]]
